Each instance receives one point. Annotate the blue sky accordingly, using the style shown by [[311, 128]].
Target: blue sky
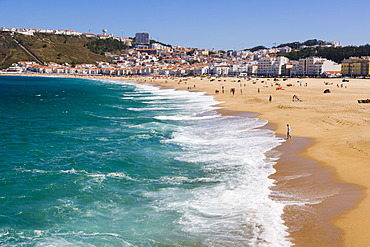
[[218, 24]]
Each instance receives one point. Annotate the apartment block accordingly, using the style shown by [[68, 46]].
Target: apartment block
[[271, 66], [314, 66], [355, 66]]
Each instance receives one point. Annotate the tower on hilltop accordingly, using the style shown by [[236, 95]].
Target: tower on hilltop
[[105, 31], [142, 38]]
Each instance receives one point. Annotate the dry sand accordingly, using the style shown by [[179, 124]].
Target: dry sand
[[336, 156]]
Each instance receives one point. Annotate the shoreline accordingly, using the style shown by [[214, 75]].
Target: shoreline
[[337, 145], [316, 196]]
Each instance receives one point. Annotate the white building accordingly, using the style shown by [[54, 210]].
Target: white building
[[201, 70], [103, 36], [252, 69], [285, 49], [70, 32], [314, 66], [126, 41], [271, 66], [25, 31], [89, 35], [58, 32], [221, 70], [158, 46], [46, 31], [331, 44]]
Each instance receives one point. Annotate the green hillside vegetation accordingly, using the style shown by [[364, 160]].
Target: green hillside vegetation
[[256, 48], [56, 48], [10, 52], [297, 45], [337, 54], [100, 46], [59, 48]]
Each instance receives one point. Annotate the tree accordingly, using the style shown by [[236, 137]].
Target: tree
[[100, 46], [311, 42]]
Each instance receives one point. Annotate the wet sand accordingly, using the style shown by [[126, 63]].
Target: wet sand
[[316, 195]]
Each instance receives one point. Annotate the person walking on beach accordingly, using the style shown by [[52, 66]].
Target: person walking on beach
[[270, 98], [288, 136]]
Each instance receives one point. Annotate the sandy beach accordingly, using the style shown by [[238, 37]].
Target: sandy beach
[[330, 142]]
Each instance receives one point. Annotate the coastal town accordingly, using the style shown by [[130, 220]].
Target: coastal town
[[147, 58]]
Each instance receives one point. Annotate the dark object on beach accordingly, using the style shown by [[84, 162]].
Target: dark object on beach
[[216, 91], [345, 80], [363, 101], [295, 98], [270, 98], [232, 91], [327, 91]]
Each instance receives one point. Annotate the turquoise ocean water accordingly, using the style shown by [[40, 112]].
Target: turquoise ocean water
[[101, 163]]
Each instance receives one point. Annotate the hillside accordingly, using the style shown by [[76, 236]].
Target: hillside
[[10, 52], [337, 54], [54, 48]]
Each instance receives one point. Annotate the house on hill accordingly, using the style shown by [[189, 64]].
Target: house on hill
[[89, 35], [104, 36]]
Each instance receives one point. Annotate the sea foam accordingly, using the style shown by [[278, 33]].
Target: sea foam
[[232, 207]]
